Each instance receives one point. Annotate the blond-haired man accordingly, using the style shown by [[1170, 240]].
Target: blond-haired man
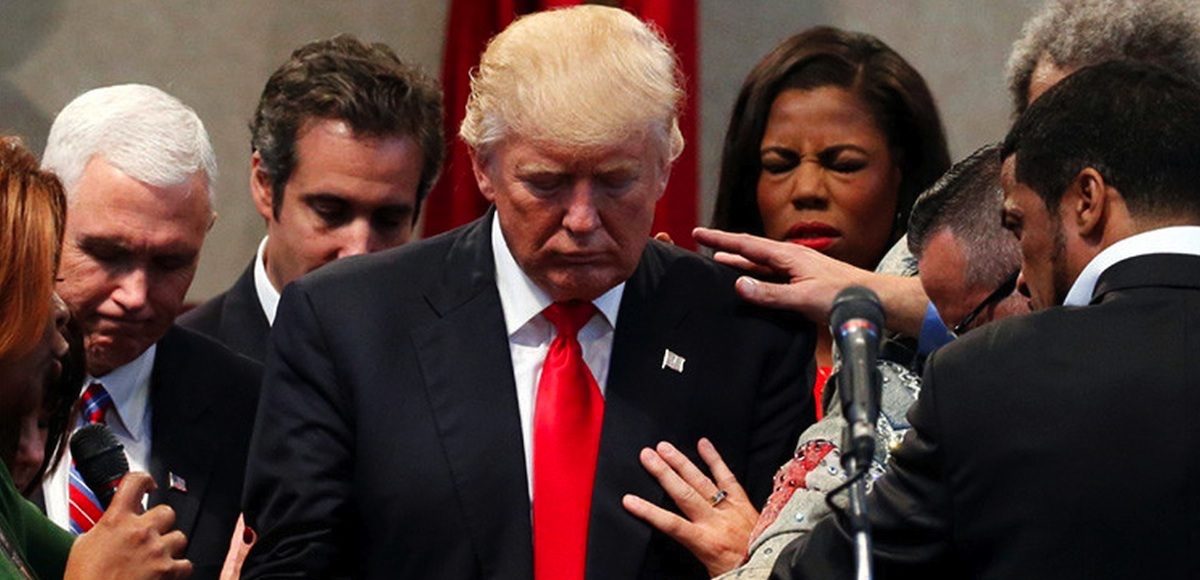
[[473, 406]]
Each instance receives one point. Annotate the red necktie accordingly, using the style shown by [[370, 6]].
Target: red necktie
[[566, 440], [84, 509]]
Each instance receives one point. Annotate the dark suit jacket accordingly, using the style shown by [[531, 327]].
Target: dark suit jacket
[[235, 318], [1063, 444], [203, 399], [388, 443]]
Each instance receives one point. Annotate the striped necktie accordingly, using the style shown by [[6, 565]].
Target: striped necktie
[[84, 508]]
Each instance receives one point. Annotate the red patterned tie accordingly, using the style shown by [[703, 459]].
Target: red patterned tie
[[566, 440], [84, 508]]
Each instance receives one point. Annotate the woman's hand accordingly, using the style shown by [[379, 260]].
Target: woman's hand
[[718, 515], [129, 544], [239, 547]]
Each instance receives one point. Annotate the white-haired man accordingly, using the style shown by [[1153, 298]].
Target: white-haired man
[[472, 406], [137, 167], [1067, 35]]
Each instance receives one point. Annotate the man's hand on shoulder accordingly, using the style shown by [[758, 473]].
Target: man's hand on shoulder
[[793, 277]]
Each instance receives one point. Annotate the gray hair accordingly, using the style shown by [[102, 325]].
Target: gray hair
[[582, 76], [138, 129], [967, 202], [1076, 33]]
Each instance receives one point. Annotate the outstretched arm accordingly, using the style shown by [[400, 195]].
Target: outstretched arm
[[794, 277]]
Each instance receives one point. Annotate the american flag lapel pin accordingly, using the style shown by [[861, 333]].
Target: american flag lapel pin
[[673, 361], [176, 483]]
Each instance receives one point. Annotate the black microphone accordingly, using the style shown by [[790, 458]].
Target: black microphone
[[857, 322], [100, 459]]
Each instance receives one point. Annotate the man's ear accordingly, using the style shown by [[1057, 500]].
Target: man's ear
[[260, 188], [479, 165], [664, 178], [1088, 200]]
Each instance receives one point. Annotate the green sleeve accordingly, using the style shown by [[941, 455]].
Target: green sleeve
[[44, 545]]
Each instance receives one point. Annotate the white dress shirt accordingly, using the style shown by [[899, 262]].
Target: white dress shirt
[[128, 419], [530, 334], [1171, 240], [268, 295]]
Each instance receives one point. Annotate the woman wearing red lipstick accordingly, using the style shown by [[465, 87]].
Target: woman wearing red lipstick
[[832, 138]]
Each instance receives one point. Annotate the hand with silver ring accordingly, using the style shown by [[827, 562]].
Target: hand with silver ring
[[717, 515], [718, 497]]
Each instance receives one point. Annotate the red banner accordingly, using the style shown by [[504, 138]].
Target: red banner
[[456, 200]]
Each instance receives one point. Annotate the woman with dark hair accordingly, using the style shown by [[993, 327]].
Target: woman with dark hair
[[58, 406], [832, 138]]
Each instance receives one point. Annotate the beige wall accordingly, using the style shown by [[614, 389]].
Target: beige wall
[[216, 54]]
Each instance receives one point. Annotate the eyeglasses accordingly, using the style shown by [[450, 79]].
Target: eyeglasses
[[995, 297]]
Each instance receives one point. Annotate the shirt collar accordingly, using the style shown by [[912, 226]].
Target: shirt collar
[[521, 299], [268, 296], [129, 387], [1170, 240]]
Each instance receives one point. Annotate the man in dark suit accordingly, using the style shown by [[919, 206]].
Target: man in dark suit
[[346, 142], [1063, 444], [137, 165], [413, 420]]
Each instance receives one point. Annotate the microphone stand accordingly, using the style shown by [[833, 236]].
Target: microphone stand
[[860, 526], [858, 446]]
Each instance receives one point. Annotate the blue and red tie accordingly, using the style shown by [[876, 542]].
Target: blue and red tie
[[85, 509]]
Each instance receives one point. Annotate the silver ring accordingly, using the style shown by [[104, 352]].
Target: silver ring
[[718, 497]]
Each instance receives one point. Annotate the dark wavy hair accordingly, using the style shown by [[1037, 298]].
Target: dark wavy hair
[[1135, 123], [59, 410], [902, 106], [365, 85]]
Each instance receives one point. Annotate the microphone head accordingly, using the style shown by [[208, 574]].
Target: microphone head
[[856, 302], [100, 459]]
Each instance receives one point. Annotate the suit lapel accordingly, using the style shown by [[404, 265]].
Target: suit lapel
[[244, 326], [467, 367], [177, 399], [641, 408]]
